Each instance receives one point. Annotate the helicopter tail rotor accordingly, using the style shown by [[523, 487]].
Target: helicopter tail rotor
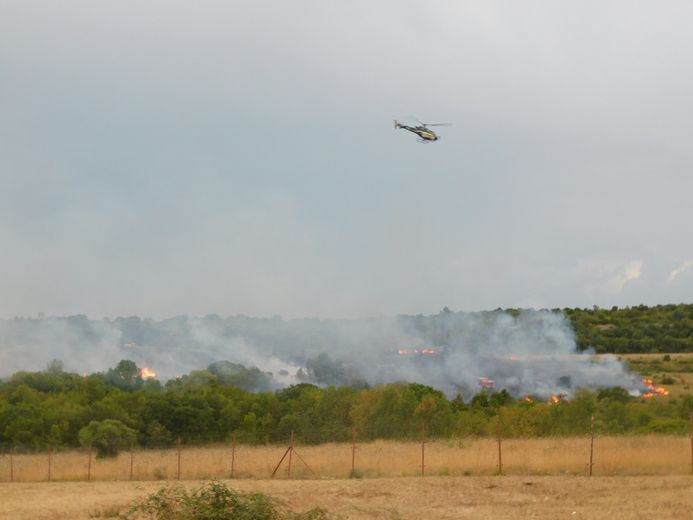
[[397, 125]]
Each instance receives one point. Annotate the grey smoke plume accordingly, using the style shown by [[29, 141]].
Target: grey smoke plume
[[532, 353]]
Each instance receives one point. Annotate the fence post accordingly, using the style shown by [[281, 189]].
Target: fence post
[[131, 458], [591, 443], [178, 447], [233, 454], [281, 460], [353, 451], [12, 464], [500, 452], [691, 443], [89, 466], [50, 453], [423, 448], [291, 450]]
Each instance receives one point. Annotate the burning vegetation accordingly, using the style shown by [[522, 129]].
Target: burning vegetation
[[523, 352], [147, 373], [653, 390]]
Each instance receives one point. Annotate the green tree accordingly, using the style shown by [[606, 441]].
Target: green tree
[[157, 435], [125, 375], [108, 437]]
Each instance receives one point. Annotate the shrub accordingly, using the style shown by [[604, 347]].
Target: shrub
[[215, 501], [666, 426], [108, 437], [157, 435]]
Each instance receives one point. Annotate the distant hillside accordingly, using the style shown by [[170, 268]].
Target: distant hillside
[[663, 328]]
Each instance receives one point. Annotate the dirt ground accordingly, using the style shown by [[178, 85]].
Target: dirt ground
[[430, 498]]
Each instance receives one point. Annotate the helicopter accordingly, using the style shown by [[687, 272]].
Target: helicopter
[[426, 135]]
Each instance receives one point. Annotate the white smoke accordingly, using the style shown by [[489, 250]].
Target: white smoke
[[531, 353]]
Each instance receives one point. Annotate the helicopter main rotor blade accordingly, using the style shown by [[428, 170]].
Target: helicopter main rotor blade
[[427, 124]]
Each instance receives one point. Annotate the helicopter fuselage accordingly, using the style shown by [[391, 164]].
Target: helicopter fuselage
[[425, 134]]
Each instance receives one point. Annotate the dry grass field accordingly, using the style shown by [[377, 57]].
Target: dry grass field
[[636, 456], [413, 498]]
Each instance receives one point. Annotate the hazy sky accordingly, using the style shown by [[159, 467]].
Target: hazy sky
[[165, 157]]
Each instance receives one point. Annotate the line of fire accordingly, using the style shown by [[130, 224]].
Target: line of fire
[[501, 370], [649, 388]]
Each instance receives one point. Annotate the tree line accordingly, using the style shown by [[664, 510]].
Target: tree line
[[110, 410], [638, 329]]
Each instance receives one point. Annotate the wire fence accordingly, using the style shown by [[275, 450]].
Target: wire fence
[[586, 455]]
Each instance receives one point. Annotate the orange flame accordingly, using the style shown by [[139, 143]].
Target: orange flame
[[528, 399], [653, 390], [555, 399], [147, 373]]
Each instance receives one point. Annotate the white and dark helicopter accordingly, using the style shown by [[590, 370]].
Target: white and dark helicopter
[[426, 135]]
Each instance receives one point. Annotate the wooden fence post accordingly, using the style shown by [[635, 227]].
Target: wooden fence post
[[500, 452], [423, 448], [178, 448], [591, 443], [132, 456], [280, 461], [89, 466], [233, 454], [12, 465], [291, 451], [50, 453], [353, 451], [691, 443]]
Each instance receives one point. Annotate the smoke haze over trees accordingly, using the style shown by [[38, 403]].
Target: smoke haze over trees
[[526, 352]]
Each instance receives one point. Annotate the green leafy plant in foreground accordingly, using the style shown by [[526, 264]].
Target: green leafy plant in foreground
[[215, 501]]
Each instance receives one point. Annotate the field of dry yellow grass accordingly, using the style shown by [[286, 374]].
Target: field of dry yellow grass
[[412, 498], [642, 455]]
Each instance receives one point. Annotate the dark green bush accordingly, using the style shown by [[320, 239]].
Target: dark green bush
[[108, 437]]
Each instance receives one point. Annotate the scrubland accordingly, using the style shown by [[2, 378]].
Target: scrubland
[[675, 369]]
